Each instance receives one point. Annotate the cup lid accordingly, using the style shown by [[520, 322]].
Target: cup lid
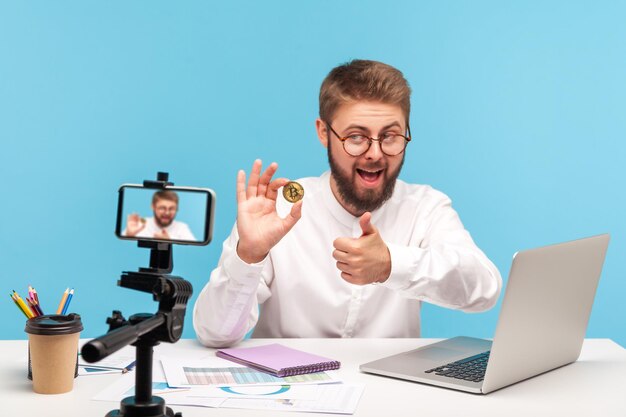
[[54, 324]]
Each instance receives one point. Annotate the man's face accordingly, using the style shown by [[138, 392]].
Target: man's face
[[164, 212], [363, 183]]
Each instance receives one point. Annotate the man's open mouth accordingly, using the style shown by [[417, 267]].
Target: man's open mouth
[[369, 176]]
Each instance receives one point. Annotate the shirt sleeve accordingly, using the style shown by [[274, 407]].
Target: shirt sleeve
[[227, 307], [445, 267]]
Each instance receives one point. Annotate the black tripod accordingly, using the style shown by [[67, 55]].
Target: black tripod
[[144, 331]]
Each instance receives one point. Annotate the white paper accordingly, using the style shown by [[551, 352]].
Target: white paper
[[219, 372], [89, 370], [298, 392], [332, 398], [118, 360], [125, 387], [182, 398]]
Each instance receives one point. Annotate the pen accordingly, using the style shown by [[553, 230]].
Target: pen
[[67, 301], [128, 367], [62, 303]]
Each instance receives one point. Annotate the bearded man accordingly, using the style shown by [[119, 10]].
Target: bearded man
[[362, 250], [162, 225]]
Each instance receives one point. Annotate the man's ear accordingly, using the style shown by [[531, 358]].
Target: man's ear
[[322, 132]]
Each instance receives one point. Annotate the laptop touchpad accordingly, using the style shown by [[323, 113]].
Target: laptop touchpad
[[435, 353]]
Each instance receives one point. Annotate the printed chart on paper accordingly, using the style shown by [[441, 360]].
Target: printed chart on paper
[[237, 375]]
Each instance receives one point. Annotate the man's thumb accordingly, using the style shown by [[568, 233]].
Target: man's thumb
[[366, 224]]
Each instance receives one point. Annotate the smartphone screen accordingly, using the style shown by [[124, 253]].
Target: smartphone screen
[[182, 215]]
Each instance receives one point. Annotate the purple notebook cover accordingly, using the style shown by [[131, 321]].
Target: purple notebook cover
[[278, 360]]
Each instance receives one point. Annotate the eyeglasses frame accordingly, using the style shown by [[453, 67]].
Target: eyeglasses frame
[[370, 139]]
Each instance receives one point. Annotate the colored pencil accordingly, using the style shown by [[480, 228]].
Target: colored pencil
[[67, 302], [62, 303], [38, 307], [129, 367], [36, 295], [32, 307], [18, 306], [23, 305], [37, 299]]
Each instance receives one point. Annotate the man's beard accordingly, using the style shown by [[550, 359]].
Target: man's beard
[[160, 223], [371, 199]]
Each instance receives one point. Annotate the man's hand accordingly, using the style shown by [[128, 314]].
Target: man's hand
[[258, 224], [363, 260], [162, 234], [134, 224]]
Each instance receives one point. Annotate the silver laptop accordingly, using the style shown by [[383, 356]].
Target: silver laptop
[[541, 327]]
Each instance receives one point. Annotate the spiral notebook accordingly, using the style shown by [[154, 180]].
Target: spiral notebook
[[279, 360]]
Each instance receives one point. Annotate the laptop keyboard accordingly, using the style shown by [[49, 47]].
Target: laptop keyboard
[[469, 369]]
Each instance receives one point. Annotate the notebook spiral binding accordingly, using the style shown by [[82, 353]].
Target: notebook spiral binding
[[310, 369]]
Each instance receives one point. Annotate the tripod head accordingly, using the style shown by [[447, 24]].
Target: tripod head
[[166, 325]]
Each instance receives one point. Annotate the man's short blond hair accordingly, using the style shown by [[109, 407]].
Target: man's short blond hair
[[165, 195], [363, 80]]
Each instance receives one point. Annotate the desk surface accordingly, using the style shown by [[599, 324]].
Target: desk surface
[[594, 385]]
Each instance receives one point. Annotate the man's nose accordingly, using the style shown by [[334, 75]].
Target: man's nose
[[374, 152]]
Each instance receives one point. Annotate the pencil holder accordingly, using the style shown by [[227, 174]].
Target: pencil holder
[[53, 352], [30, 366]]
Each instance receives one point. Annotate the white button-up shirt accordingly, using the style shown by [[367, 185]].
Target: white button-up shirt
[[176, 230], [298, 289]]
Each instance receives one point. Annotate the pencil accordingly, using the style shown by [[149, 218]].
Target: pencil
[[37, 299], [18, 306], [32, 307], [36, 303], [35, 306], [36, 295], [129, 367], [23, 305], [62, 303], [67, 302]]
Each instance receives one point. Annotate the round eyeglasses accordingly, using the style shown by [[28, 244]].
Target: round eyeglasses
[[391, 144]]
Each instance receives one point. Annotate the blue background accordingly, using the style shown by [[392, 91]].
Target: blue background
[[518, 115]]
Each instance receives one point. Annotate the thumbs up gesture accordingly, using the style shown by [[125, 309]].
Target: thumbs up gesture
[[365, 259]]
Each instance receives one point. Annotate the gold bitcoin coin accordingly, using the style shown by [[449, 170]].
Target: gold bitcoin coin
[[293, 192]]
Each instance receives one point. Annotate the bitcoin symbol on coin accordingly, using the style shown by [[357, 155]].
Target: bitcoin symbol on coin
[[293, 192]]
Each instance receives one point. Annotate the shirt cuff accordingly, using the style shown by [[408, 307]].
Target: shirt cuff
[[403, 260], [242, 272]]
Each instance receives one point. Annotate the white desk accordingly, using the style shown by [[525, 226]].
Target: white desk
[[593, 386]]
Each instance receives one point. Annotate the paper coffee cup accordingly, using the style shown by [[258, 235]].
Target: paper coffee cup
[[53, 352]]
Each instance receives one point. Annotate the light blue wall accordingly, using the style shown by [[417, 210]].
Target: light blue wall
[[518, 115]]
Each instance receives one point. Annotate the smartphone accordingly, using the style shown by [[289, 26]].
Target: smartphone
[[182, 215]]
